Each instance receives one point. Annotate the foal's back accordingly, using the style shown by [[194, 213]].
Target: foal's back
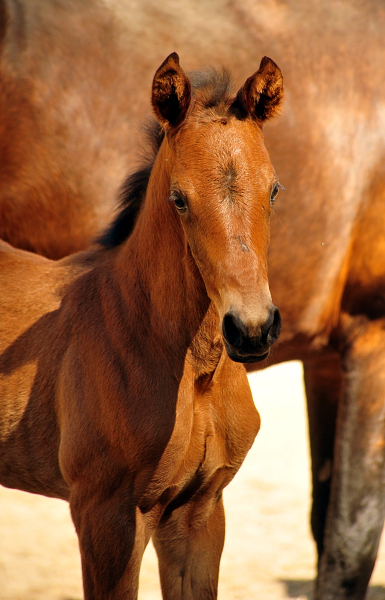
[[30, 287]]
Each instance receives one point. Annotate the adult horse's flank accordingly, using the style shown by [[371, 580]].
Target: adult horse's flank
[[65, 122], [117, 390]]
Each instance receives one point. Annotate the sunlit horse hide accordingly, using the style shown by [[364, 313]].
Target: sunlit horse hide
[[326, 258], [117, 392]]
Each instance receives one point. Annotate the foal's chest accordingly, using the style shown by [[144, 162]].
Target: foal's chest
[[215, 425]]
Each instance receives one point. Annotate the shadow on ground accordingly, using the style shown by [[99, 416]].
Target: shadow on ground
[[298, 588]]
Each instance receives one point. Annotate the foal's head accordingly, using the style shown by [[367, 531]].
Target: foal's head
[[223, 186]]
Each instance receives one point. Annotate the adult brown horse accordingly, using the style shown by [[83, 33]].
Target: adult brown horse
[[326, 260], [117, 390], [327, 256]]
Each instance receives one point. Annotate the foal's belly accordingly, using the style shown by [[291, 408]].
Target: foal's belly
[[29, 464], [28, 436]]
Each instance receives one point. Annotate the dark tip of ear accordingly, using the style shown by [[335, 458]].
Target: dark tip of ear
[[171, 92], [262, 94], [172, 58]]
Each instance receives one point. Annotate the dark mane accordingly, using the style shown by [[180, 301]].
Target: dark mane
[[133, 190], [212, 91]]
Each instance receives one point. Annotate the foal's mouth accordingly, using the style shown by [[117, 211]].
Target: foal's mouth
[[238, 356]]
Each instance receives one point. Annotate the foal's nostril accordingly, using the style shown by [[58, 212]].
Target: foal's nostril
[[231, 331], [274, 328], [256, 341]]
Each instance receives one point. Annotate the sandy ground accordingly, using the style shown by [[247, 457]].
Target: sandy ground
[[269, 554]]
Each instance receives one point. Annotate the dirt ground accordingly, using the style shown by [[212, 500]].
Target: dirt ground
[[269, 554]]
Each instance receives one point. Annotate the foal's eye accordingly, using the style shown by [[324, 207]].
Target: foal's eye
[[180, 203], [274, 192]]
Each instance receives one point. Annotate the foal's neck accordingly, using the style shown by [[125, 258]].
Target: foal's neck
[[157, 271]]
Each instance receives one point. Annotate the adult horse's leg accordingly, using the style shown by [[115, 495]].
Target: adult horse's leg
[[323, 379], [189, 547], [357, 500]]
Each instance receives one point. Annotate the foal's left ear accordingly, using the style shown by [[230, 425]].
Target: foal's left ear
[[262, 94], [171, 92]]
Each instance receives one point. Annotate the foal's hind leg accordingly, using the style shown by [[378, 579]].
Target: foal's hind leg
[[189, 547], [323, 380], [357, 500]]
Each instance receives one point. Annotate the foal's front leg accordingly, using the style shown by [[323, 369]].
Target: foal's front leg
[[189, 544], [112, 535]]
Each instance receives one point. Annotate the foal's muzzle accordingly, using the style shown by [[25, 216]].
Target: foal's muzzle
[[247, 345]]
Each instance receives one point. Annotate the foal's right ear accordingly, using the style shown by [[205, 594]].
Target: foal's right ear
[[171, 92]]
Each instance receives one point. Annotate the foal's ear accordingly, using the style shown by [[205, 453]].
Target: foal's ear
[[262, 94], [171, 92]]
